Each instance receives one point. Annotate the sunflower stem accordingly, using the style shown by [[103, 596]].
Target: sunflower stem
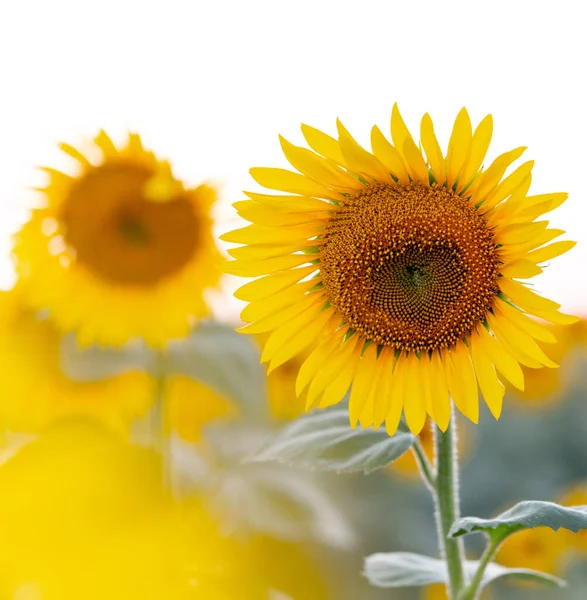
[[426, 467], [447, 507], [472, 591], [159, 426]]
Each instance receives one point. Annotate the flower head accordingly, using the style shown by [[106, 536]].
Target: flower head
[[121, 249], [402, 270]]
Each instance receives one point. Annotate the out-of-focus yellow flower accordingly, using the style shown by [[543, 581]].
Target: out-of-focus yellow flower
[[546, 387], [540, 549], [36, 392], [192, 404], [407, 465], [400, 267], [84, 515], [438, 592], [575, 496], [120, 249]]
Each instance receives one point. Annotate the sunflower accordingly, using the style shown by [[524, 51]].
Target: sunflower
[[35, 390], [402, 269], [121, 249]]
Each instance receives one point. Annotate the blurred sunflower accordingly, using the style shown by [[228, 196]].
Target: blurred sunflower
[[191, 405], [85, 516], [539, 549], [121, 249], [35, 390], [389, 261], [546, 387]]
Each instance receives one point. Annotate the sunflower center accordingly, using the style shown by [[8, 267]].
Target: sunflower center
[[122, 236], [409, 266]]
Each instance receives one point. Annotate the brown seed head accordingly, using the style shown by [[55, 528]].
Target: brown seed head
[[411, 267]]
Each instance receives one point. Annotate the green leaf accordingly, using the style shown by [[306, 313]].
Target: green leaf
[[404, 569], [525, 515], [225, 360], [213, 354], [287, 504], [324, 440]]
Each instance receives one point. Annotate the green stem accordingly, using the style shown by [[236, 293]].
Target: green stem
[[447, 507], [159, 425], [472, 591], [426, 468]]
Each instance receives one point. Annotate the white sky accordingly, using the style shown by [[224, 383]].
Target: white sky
[[210, 84]]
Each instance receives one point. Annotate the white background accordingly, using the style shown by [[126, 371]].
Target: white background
[[210, 84]]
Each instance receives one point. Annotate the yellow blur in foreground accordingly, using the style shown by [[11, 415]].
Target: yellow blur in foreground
[[84, 516]]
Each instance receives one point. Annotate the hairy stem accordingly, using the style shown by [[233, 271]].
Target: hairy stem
[[472, 591], [426, 468], [447, 507]]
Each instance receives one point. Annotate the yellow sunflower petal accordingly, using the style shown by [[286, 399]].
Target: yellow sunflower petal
[[256, 268], [551, 251], [399, 132], [313, 362], [272, 284], [416, 164], [336, 391], [461, 381], [459, 147], [519, 233], [520, 269], [286, 203], [267, 306], [331, 370], [415, 399], [441, 397], [323, 144], [317, 168], [479, 147], [308, 305], [106, 145], [358, 159], [288, 181], [432, 149], [383, 392], [76, 155], [521, 321], [524, 297], [260, 234], [491, 387], [505, 363], [492, 176], [508, 186], [534, 206], [290, 339], [520, 341], [388, 155], [397, 396], [264, 251], [362, 383]]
